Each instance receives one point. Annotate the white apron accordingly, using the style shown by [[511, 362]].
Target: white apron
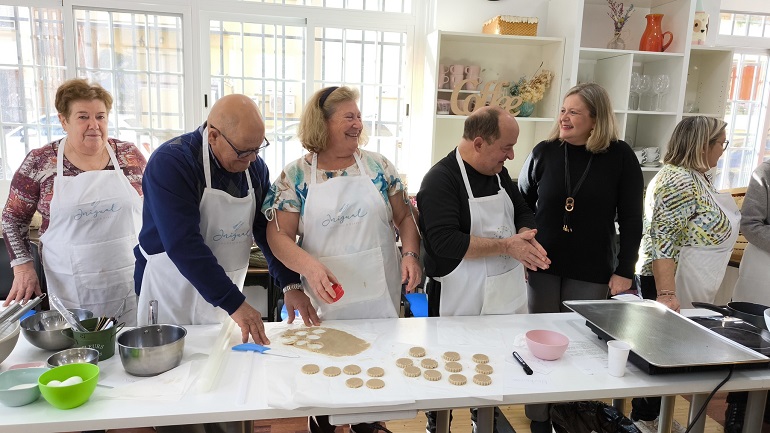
[[348, 227], [88, 247], [226, 227], [485, 285], [753, 283], [701, 269]]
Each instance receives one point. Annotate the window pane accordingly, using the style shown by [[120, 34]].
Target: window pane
[[756, 24], [267, 63], [368, 5], [374, 63], [138, 58], [726, 24], [31, 69], [741, 25]]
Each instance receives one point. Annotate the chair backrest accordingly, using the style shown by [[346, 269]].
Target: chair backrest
[[6, 272]]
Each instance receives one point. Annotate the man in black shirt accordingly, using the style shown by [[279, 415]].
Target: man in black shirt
[[478, 231]]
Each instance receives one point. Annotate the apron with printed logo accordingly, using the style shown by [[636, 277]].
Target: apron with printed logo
[[88, 247], [348, 227], [226, 227], [700, 269], [485, 285]]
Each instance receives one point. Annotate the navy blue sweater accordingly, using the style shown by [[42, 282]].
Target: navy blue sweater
[[173, 186]]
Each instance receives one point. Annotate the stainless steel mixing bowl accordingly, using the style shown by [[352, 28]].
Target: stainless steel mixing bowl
[[48, 330], [76, 355], [152, 349]]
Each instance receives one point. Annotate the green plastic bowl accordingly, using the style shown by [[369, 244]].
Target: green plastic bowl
[[68, 397], [22, 376]]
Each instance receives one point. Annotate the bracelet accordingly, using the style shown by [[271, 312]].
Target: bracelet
[[290, 287], [666, 293], [409, 253]]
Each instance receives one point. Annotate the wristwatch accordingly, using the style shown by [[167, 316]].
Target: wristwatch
[[290, 287]]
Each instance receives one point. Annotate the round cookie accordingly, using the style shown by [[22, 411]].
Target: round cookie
[[480, 358], [332, 371], [318, 331], [375, 372], [300, 333], [482, 379], [457, 379], [453, 367], [300, 343], [417, 352], [351, 369], [403, 362], [412, 371], [354, 382], [375, 383], [429, 363], [310, 369], [315, 346], [451, 356], [313, 337], [484, 369], [288, 340], [432, 375]]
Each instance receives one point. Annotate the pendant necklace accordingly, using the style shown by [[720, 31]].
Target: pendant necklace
[[569, 203]]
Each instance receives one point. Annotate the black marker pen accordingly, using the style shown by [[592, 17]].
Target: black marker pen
[[522, 363]]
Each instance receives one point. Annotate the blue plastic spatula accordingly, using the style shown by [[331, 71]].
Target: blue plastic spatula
[[253, 347]]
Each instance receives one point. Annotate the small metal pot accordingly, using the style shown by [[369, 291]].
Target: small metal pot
[[151, 350], [746, 311]]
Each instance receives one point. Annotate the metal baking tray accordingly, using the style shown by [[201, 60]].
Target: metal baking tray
[[663, 341]]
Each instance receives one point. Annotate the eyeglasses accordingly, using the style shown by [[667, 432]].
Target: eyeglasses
[[242, 154], [725, 144]]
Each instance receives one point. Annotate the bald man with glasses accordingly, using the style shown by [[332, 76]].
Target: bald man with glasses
[[202, 191]]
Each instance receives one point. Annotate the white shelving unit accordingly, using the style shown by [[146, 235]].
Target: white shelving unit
[[502, 58], [699, 75], [573, 45]]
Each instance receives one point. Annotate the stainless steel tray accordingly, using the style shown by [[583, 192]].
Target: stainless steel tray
[[661, 340]]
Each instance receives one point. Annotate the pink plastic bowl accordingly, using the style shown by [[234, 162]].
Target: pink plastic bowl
[[547, 345]]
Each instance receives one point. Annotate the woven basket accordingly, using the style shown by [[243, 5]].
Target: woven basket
[[501, 26]]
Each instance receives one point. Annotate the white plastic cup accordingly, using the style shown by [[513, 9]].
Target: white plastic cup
[[617, 355]]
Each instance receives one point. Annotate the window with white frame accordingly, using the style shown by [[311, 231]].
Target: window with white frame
[[31, 69], [137, 57], [364, 5], [747, 104], [268, 62]]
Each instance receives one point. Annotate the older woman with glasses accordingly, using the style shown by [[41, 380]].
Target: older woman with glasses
[[690, 228], [202, 191]]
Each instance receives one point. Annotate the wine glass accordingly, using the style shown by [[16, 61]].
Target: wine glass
[[645, 86], [633, 96], [660, 86]]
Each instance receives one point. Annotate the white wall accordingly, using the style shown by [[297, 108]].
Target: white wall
[[750, 6]]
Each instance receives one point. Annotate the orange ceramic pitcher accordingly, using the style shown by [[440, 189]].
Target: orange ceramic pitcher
[[652, 38]]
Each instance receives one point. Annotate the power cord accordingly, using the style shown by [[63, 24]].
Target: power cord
[[708, 399]]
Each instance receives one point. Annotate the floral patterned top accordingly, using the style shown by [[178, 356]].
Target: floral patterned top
[[679, 211], [289, 192]]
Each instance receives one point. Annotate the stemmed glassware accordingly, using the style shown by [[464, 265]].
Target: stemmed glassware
[[660, 86], [645, 87], [633, 95]]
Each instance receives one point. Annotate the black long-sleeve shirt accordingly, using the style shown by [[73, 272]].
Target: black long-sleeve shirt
[[445, 216], [614, 186]]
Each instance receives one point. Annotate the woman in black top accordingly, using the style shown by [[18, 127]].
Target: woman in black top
[[577, 182]]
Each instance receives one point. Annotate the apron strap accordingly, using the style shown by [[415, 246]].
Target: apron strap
[[465, 174], [60, 157], [314, 165]]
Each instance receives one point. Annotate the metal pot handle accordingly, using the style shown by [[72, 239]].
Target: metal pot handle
[[725, 311], [153, 313]]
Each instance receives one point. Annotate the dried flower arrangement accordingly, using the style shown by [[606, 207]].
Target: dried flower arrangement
[[619, 17], [532, 90]]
